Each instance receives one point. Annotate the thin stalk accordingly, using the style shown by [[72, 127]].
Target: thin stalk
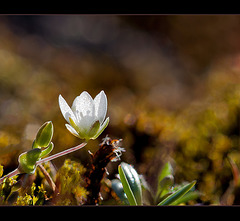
[[9, 175], [48, 177], [70, 150]]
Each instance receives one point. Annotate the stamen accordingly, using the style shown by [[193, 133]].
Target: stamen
[[118, 151]]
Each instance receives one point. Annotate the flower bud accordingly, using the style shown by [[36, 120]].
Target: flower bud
[[44, 135]]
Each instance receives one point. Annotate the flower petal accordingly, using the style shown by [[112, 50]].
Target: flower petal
[[86, 123], [83, 104], [84, 110], [72, 130], [101, 129], [100, 103], [65, 109]]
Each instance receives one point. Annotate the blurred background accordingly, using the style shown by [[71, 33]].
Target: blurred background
[[172, 82]]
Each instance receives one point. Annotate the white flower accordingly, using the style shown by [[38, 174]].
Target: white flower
[[86, 117]]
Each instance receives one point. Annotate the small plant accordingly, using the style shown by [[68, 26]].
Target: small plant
[[75, 184]]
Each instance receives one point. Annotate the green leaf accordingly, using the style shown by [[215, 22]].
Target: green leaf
[[178, 194], [134, 181], [164, 187], [118, 189], [45, 134], [191, 195], [35, 145], [27, 160], [166, 171], [47, 150], [165, 180], [126, 187]]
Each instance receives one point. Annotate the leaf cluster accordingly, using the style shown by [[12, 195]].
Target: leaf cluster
[[132, 189]]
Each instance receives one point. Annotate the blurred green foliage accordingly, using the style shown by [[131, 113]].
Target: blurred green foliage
[[173, 88]]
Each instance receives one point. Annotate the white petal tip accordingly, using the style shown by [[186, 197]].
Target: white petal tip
[[60, 97]]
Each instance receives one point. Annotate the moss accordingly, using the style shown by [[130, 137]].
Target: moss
[[70, 184], [37, 196]]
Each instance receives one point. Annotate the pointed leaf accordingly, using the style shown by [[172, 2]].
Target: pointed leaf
[[126, 187], [164, 187], [47, 150], [45, 134], [165, 180], [35, 145], [118, 189], [133, 180], [178, 194], [166, 170], [191, 195]]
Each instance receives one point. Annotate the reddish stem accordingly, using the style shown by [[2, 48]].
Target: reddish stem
[[70, 150], [9, 175]]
